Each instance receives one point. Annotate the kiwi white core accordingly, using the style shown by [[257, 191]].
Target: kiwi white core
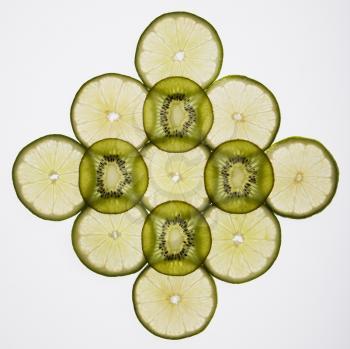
[[112, 176], [238, 176], [175, 238], [177, 114]]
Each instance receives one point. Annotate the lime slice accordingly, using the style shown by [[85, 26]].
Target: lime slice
[[110, 244], [175, 176], [109, 106], [306, 177], [174, 307], [179, 44], [45, 176], [244, 245], [243, 109]]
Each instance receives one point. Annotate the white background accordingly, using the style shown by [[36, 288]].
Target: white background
[[299, 49]]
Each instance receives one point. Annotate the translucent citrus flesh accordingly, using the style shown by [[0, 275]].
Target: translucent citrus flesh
[[175, 176], [110, 244], [244, 109], [46, 176], [174, 307], [306, 177], [179, 44], [244, 245], [109, 106]]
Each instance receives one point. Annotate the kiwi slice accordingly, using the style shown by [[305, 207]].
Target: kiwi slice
[[109, 106], [238, 176], [244, 109], [176, 238], [113, 176], [45, 177], [177, 114], [174, 307], [179, 44], [306, 177], [244, 245], [175, 176], [109, 244]]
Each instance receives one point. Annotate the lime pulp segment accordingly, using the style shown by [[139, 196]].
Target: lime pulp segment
[[113, 176], [179, 44], [109, 244], [175, 176], [45, 177], [174, 307], [109, 106], [243, 109], [306, 177], [244, 246], [176, 238]]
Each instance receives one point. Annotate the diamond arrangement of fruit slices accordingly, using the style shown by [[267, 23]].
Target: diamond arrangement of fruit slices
[[177, 172]]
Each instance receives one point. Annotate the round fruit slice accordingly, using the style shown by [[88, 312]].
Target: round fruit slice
[[109, 106], [177, 114], [109, 244], [238, 176], [244, 109], [179, 44], [176, 238], [244, 245], [175, 176], [113, 176], [45, 177], [306, 177], [174, 307]]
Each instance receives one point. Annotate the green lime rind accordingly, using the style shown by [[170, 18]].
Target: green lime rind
[[200, 242], [102, 221], [214, 35], [219, 273], [153, 121], [147, 326], [335, 177], [15, 178], [265, 90], [214, 184], [133, 163]]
